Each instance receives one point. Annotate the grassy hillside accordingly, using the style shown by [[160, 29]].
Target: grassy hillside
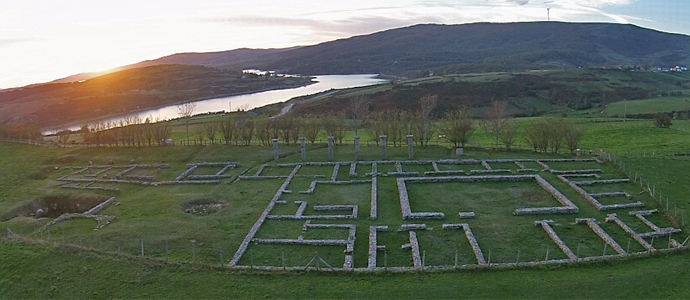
[[581, 92], [484, 47], [130, 90]]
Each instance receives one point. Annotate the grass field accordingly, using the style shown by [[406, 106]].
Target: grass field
[[183, 252]]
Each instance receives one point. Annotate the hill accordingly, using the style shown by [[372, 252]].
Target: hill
[[480, 47], [125, 91], [416, 51], [586, 92], [203, 59]]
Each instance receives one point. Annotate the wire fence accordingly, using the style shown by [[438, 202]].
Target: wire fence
[[671, 208]]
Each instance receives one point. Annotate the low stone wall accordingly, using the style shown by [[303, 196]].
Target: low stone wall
[[353, 170], [614, 218], [257, 225], [141, 177], [408, 227], [656, 230], [373, 245], [414, 247], [608, 181], [592, 223], [96, 209], [90, 188], [313, 184], [470, 238], [336, 169], [546, 224], [575, 185], [466, 215], [612, 194], [186, 172], [374, 198], [486, 165], [490, 171]]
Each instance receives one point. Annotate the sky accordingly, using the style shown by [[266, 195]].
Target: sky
[[43, 40]]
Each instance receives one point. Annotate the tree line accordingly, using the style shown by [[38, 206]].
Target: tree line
[[455, 127]]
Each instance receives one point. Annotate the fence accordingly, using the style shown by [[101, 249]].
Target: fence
[[670, 207]]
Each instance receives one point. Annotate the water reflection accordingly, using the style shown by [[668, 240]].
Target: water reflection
[[250, 101]]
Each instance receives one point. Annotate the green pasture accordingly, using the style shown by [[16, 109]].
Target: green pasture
[[182, 251]]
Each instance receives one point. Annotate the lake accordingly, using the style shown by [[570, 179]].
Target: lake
[[253, 100]]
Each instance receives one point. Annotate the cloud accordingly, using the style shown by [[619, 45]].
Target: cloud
[[9, 42], [341, 27], [519, 2]]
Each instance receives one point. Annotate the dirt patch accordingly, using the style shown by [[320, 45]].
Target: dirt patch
[[41, 173], [55, 205], [534, 195], [203, 207]]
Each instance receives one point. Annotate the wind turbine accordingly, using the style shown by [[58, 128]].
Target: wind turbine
[[548, 10]]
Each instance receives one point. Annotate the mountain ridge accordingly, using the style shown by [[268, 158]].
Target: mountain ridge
[[418, 50]]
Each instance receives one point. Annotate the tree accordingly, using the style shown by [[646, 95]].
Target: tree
[[495, 120], [186, 111], [662, 121], [358, 111], [457, 127], [163, 131], [312, 127], [375, 125], [199, 132], [246, 130], [535, 134], [427, 103], [63, 136], [149, 130], [228, 128], [210, 131], [509, 133], [572, 135]]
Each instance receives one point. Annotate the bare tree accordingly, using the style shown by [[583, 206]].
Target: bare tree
[[427, 103], [495, 120], [64, 135], [572, 135], [210, 130], [376, 125], [509, 133], [312, 127], [186, 111], [246, 130], [359, 109], [457, 127], [229, 128], [199, 133], [536, 135], [163, 131]]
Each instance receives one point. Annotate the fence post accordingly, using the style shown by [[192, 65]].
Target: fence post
[[142, 247]]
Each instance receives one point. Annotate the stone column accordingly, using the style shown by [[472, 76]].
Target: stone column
[[410, 146], [383, 146], [356, 147], [275, 150], [303, 148], [330, 148]]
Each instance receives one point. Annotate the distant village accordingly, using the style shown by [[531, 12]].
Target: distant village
[[659, 69]]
